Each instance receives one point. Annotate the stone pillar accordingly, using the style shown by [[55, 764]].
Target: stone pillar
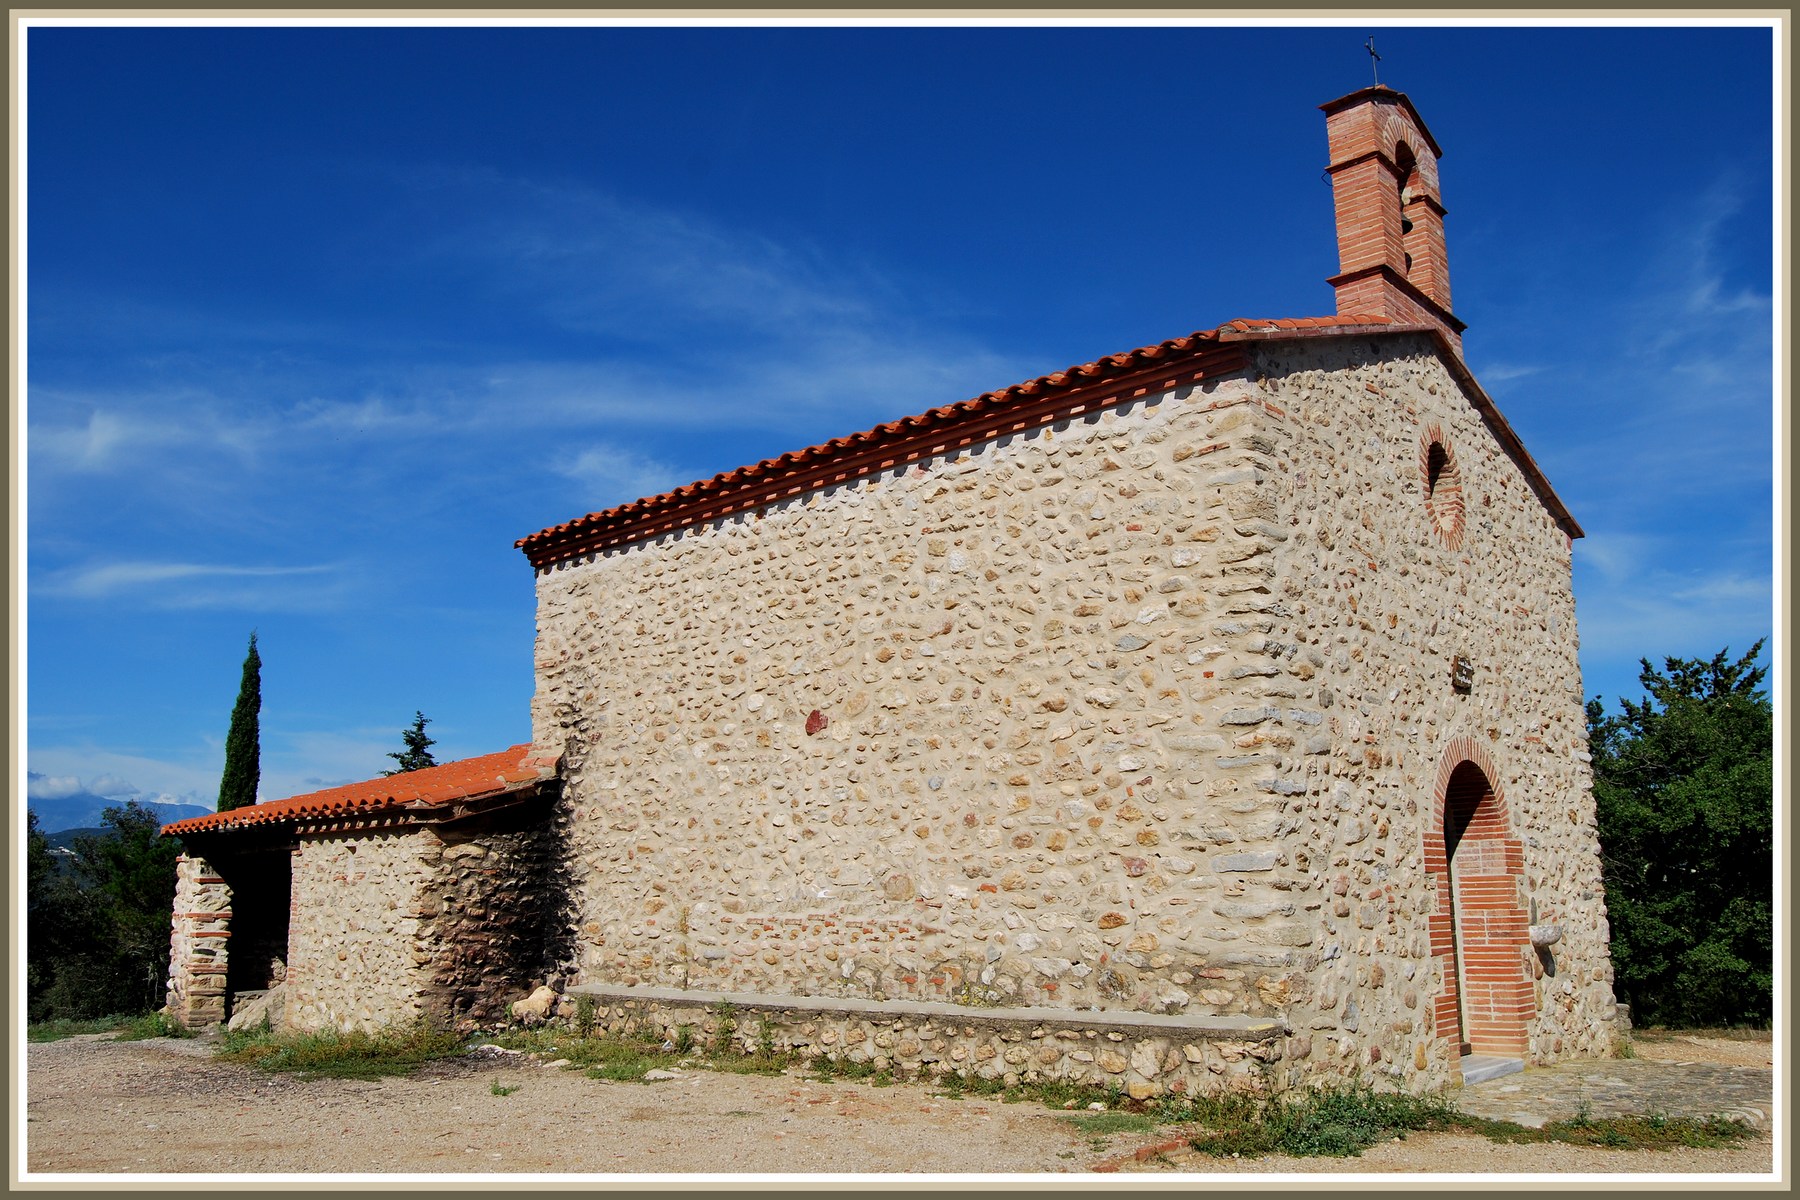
[[200, 930]]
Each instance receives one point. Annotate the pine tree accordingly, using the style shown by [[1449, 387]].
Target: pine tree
[[1684, 792], [417, 754], [243, 753]]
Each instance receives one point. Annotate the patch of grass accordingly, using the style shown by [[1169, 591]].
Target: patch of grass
[[1651, 1132], [497, 1090], [154, 1025], [625, 1061], [1337, 1122], [1343, 1122], [331, 1054], [62, 1027], [1099, 1127], [620, 1057], [1108, 1122]]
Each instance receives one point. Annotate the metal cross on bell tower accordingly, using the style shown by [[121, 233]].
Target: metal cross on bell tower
[[1374, 58]]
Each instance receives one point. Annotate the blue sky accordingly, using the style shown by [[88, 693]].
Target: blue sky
[[322, 320]]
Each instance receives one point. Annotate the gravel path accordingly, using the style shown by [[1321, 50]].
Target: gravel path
[[99, 1106]]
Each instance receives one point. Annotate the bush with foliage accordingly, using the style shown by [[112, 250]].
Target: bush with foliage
[[97, 928], [1684, 788]]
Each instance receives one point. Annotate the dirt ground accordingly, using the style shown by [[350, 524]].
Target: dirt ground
[[95, 1105]]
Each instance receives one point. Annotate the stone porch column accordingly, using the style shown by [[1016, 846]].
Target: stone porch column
[[200, 931]]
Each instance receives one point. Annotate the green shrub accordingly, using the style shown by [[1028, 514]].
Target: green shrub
[[1337, 1122]]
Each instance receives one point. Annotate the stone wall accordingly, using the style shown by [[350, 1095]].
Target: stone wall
[[1141, 712], [1378, 589], [355, 955], [447, 922], [493, 912], [934, 734]]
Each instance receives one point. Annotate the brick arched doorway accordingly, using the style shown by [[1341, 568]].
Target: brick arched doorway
[[1479, 928]]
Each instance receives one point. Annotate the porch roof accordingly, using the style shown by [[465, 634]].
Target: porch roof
[[410, 792]]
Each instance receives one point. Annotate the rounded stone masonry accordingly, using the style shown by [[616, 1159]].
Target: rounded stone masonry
[[1140, 1054]]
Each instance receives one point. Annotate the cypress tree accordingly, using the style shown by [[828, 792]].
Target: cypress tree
[[243, 766]]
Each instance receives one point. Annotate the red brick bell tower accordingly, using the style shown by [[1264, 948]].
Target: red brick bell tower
[[1390, 215]]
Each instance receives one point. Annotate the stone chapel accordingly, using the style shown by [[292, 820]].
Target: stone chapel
[[1205, 716]]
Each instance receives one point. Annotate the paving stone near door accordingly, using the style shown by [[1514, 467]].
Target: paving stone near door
[[1623, 1087]]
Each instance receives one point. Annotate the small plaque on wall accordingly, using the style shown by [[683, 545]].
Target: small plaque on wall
[[1462, 674]]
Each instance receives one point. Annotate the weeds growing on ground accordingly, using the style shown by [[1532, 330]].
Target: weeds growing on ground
[[130, 1028], [1098, 1126], [353, 1055], [1334, 1121], [584, 1016], [627, 1057], [154, 1025], [62, 1027], [1346, 1121]]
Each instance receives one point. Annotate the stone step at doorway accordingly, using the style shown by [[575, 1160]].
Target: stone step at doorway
[[1479, 1068]]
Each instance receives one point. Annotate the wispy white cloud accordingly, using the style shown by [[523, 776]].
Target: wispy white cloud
[[97, 433], [597, 262], [611, 475], [196, 585], [1657, 614], [1492, 373]]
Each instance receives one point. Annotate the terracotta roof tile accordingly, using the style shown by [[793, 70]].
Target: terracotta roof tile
[[410, 790]]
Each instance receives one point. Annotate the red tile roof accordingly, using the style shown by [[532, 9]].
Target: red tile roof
[[1206, 354], [467, 778]]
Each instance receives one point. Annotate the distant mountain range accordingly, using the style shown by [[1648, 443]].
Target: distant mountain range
[[83, 811]]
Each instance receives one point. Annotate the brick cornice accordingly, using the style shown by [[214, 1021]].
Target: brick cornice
[[1405, 285], [1386, 95]]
